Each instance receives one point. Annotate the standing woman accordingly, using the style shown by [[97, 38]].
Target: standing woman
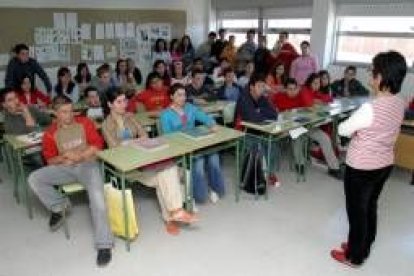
[[65, 85], [181, 116], [120, 127], [187, 51], [175, 50], [82, 77], [161, 52], [374, 128]]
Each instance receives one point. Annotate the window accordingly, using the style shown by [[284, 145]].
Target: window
[[359, 39], [238, 28], [298, 28]]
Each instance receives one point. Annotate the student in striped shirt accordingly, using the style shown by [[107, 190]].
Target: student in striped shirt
[[373, 128]]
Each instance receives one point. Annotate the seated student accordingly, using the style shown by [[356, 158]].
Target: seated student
[[95, 110], [287, 99], [325, 82], [30, 95], [311, 94], [243, 80], [154, 98], [308, 96], [122, 76], [276, 78], [161, 68], [66, 86], [198, 91], [82, 77], [69, 147], [199, 65], [253, 106], [103, 81], [136, 73], [230, 90], [120, 127], [178, 74], [349, 86], [20, 118], [175, 51], [218, 76], [181, 115]]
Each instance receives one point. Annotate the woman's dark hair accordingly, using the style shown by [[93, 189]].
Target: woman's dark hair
[[310, 79], [174, 42], [158, 62], [113, 93], [20, 47], [290, 81], [173, 72], [324, 73], [157, 47], [23, 77], [58, 88], [273, 71], [78, 76], [305, 43], [151, 76], [118, 62], [166, 77], [104, 68], [175, 88], [190, 44], [327, 88], [392, 67]]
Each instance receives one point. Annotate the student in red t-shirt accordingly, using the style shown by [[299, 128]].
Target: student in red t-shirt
[[69, 147], [283, 52], [29, 95], [310, 92], [291, 99], [154, 98]]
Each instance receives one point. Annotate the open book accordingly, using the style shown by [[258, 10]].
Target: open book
[[31, 138], [149, 144], [198, 133]]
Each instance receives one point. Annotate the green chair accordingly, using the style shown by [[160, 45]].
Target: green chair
[[69, 189]]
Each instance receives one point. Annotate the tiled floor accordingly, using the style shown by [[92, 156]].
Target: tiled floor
[[289, 234]]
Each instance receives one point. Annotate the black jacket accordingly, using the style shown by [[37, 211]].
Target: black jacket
[[16, 70], [255, 111]]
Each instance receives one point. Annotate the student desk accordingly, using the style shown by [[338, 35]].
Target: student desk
[[123, 160], [16, 150], [224, 138]]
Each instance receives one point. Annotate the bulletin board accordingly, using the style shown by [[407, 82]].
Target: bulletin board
[[18, 25]]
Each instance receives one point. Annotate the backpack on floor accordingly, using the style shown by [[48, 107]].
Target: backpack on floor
[[253, 177]]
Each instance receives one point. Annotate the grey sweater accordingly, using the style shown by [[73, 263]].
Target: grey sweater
[[16, 124]]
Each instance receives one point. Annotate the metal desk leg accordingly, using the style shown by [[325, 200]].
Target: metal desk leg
[[15, 173], [23, 182], [189, 203], [238, 180], [269, 166], [125, 209]]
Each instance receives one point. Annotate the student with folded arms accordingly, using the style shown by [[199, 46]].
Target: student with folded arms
[[69, 147], [182, 116], [120, 127], [373, 129]]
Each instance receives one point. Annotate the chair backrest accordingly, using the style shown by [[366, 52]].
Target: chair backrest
[[229, 113]]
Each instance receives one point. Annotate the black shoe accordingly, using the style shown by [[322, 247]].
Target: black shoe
[[104, 257], [56, 221], [336, 174]]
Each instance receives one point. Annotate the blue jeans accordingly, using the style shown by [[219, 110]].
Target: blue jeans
[[214, 177]]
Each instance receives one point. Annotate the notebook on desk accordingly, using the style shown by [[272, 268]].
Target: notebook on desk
[[198, 133], [31, 138], [149, 144]]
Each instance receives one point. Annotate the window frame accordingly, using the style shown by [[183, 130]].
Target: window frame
[[338, 34]]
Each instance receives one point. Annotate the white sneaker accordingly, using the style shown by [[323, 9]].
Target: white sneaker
[[214, 198]]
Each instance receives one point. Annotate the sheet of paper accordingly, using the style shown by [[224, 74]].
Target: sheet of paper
[[98, 53], [71, 20], [295, 133], [130, 30], [109, 31], [59, 21], [86, 32], [99, 31], [120, 30]]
